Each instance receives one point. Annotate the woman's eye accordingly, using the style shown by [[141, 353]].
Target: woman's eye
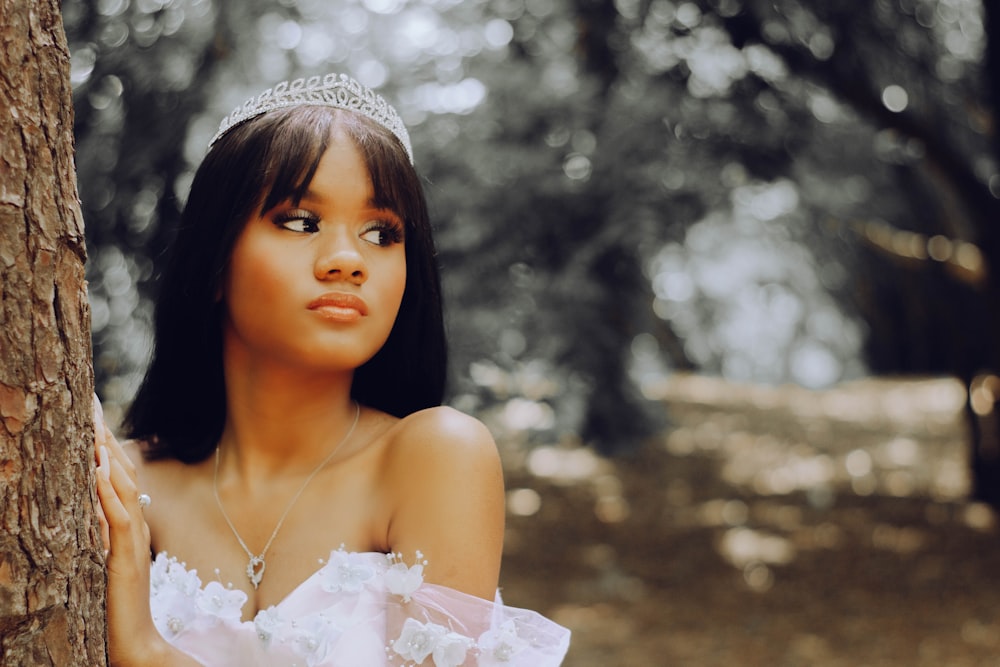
[[298, 221], [383, 234]]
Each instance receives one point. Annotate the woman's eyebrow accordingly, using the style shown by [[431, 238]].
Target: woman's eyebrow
[[372, 203]]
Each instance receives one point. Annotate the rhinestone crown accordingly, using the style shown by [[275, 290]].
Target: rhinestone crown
[[333, 90]]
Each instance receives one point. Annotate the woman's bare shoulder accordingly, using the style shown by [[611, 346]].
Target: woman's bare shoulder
[[441, 432], [444, 480], [438, 455]]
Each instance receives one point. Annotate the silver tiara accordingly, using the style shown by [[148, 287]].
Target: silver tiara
[[333, 90]]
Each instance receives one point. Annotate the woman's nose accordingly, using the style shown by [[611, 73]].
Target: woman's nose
[[340, 259]]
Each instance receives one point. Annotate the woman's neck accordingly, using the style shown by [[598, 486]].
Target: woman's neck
[[283, 421]]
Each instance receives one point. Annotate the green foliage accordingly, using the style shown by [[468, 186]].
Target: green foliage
[[743, 187]]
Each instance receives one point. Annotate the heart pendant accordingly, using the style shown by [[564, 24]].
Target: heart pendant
[[255, 570]]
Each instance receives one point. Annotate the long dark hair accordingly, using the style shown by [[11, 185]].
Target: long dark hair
[[180, 407]]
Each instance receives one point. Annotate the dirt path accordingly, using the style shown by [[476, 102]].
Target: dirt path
[[757, 534]]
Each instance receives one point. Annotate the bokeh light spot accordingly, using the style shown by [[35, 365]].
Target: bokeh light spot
[[895, 98], [523, 502]]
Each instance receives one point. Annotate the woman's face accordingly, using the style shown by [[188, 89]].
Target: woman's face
[[317, 284]]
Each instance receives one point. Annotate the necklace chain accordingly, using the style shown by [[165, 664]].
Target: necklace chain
[[256, 565]]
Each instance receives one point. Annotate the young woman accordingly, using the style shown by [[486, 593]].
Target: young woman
[[308, 499]]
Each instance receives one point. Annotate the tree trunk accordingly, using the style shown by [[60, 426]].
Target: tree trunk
[[51, 568]]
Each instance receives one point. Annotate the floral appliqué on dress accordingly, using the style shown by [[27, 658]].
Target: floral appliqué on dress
[[356, 609]]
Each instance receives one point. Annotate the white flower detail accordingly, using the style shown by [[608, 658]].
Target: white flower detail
[[221, 602], [418, 640], [158, 570], [451, 650], [266, 623], [312, 637], [172, 593], [500, 645], [346, 572], [167, 573], [402, 580]]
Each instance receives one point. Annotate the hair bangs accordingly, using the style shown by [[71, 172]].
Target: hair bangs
[[297, 144]]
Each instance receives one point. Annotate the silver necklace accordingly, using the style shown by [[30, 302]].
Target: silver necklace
[[257, 565]]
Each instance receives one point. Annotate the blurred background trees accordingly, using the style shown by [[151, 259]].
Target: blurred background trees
[[781, 191]]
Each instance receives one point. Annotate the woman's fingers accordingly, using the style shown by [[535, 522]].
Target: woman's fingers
[[118, 473], [104, 436], [109, 491], [123, 527], [99, 429], [128, 532], [105, 529], [103, 480]]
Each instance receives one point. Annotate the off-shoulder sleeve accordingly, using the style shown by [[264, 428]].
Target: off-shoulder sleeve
[[436, 625], [443, 627]]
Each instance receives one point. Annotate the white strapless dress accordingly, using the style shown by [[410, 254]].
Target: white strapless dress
[[356, 610]]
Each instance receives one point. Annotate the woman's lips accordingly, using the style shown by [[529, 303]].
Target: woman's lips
[[339, 307]]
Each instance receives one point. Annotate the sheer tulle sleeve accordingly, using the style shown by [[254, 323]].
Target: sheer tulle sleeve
[[357, 609], [440, 626]]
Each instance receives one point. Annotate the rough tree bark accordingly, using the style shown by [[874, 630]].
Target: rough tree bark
[[51, 570]]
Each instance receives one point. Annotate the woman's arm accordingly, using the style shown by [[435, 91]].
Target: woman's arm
[[446, 483], [133, 639]]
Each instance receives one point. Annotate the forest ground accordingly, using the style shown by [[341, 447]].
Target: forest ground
[[769, 526]]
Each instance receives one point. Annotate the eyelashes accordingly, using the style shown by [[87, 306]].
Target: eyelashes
[[383, 232], [297, 220], [380, 231]]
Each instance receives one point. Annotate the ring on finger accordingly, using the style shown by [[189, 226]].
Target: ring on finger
[[144, 500]]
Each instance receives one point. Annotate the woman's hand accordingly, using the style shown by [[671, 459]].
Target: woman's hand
[[131, 632]]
